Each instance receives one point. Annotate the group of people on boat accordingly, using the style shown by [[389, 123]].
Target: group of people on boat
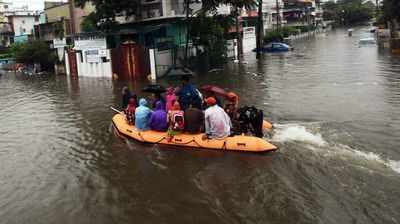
[[183, 109]]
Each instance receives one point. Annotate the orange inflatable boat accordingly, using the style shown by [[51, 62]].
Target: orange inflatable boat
[[190, 141]]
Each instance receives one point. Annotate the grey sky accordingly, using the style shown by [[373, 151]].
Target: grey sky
[[32, 4]]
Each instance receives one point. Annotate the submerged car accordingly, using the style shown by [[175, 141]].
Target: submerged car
[[276, 47]]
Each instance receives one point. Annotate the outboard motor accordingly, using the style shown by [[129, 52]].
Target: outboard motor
[[251, 120]]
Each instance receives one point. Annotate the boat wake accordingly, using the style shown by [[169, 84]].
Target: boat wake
[[309, 135], [286, 133]]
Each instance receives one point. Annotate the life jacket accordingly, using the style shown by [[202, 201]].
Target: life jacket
[[251, 120], [177, 120]]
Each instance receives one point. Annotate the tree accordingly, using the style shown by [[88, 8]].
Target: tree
[[237, 5], [348, 12], [89, 23], [107, 10], [391, 13], [58, 28], [209, 32], [391, 10], [34, 52]]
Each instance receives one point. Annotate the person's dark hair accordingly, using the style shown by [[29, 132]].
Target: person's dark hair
[[185, 78]]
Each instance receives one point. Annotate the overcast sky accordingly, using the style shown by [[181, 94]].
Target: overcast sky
[[32, 4], [38, 4]]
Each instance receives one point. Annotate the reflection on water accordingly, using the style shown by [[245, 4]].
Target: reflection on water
[[336, 109]]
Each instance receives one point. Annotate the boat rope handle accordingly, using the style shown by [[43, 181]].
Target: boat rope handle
[[183, 143], [224, 146], [140, 135]]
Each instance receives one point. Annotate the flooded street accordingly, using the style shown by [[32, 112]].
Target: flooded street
[[336, 107]]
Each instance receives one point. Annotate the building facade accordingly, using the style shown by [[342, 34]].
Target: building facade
[[22, 22], [55, 22], [78, 14]]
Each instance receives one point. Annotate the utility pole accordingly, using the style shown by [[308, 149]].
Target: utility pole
[[72, 13], [260, 29], [278, 15], [238, 34], [187, 8]]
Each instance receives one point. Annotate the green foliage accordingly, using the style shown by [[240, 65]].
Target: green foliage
[[33, 52], [106, 11], [390, 10], [348, 12], [6, 55], [58, 30], [279, 35], [208, 32], [89, 23]]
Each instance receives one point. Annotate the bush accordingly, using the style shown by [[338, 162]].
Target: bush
[[304, 29], [279, 35], [34, 52]]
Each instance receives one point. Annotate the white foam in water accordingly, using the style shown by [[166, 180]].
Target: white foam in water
[[395, 165], [368, 155], [297, 133], [392, 164]]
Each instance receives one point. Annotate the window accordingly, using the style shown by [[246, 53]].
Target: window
[[23, 21], [23, 30], [6, 6], [36, 19]]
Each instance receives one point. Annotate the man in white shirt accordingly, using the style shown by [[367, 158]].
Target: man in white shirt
[[217, 122]]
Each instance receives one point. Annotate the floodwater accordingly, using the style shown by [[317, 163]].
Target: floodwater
[[336, 107]]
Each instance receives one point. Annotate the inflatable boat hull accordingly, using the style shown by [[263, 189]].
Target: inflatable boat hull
[[191, 141]]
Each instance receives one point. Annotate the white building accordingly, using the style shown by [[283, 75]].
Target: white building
[[4, 7], [22, 22], [270, 10]]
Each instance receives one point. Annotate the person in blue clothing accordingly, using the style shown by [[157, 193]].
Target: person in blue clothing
[[188, 95], [142, 115]]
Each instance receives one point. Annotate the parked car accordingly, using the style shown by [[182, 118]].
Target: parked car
[[276, 47]]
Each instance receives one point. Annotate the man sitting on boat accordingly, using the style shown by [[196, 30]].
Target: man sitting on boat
[[217, 122]]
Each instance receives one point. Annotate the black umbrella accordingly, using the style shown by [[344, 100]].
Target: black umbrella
[[179, 72], [154, 88]]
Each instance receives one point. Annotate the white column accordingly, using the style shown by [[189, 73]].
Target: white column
[[153, 70]]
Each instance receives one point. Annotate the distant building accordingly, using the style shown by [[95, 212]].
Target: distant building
[[78, 15], [271, 18], [302, 12], [55, 22], [6, 31], [22, 22], [6, 34]]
